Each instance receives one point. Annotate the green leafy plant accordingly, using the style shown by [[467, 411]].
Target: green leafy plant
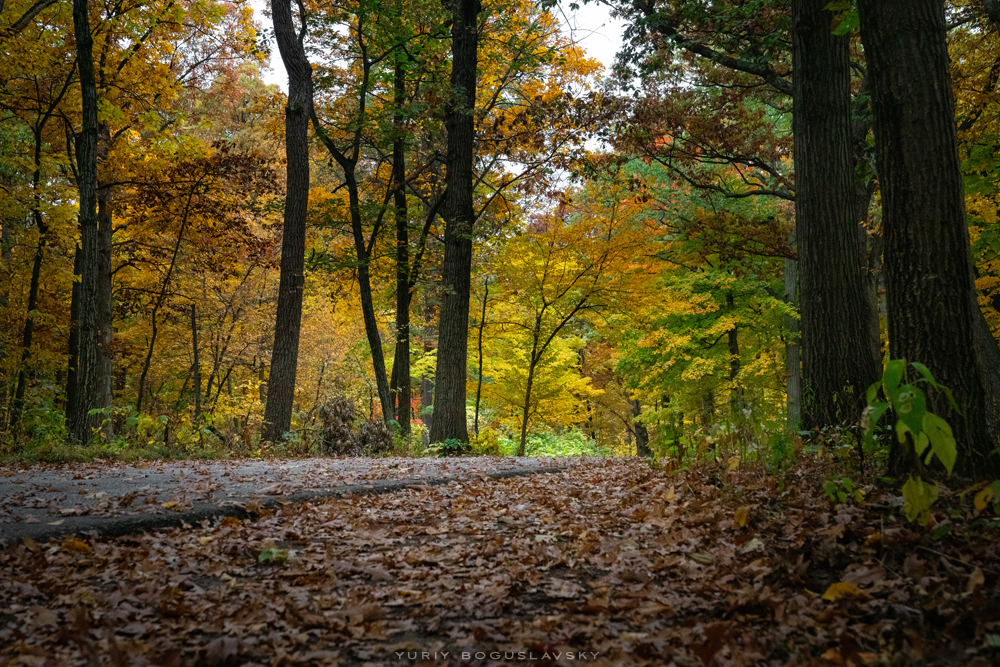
[[842, 489], [929, 434]]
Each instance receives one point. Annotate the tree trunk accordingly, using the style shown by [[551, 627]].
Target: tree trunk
[[105, 312], [196, 366], [92, 387], [401, 358], [479, 347], [459, 214], [793, 377], [522, 447], [364, 254], [841, 352], [933, 313], [640, 430], [736, 402], [288, 319], [36, 272]]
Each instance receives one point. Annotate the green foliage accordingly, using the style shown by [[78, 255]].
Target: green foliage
[[928, 432], [545, 442], [918, 497], [841, 489], [929, 435]]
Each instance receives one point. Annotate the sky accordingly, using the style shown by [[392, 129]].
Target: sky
[[591, 25]]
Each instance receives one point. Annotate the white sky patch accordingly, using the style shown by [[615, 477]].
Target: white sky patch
[[591, 26]]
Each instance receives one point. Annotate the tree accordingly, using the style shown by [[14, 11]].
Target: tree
[[89, 385], [841, 353], [459, 214], [288, 319], [933, 311]]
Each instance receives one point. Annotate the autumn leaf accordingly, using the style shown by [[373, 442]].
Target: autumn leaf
[[843, 590]]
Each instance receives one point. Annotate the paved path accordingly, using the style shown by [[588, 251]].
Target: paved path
[[115, 499]]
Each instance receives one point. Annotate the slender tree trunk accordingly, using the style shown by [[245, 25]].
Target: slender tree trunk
[[288, 319], [521, 448], [92, 388], [364, 254], [105, 312], [641, 432], [841, 352], [456, 272], [160, 298], [6, 257], [733, 335], [479, 346], [401, 358], [29, 328], [196, 367], [793, 377], [36, 272], [934, 315]]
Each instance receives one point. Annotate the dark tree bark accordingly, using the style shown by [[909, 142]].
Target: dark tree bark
[[840, 328], [934, 315], [640, 430], [401, 358], [288, 320], [91, 376], [196, 365], [459, 214]]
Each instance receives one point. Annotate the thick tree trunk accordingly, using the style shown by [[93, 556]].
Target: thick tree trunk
[[640, 430], [105, 312], [459, 214], [933, 313], [288, 319], [92, 385], [841, 352], [793, 377]]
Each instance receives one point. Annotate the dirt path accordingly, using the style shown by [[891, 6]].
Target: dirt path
[[116, 499]]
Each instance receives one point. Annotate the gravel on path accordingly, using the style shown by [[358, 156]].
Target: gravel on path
[[113, 498]]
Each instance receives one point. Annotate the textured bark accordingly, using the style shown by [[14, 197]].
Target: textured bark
[[933, 312], [288, 320], [459, 214], [840, 326], [92, 386]]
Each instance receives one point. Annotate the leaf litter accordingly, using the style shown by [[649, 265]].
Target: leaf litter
[[609, 563]]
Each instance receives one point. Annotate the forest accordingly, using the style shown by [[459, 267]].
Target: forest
[[691, 360], [466, 237]]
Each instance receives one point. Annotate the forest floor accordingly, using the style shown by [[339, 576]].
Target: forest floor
[[43, 501], [609, 562]]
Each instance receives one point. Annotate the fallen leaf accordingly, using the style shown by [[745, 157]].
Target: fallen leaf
[[843, 590], [73, 545]]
